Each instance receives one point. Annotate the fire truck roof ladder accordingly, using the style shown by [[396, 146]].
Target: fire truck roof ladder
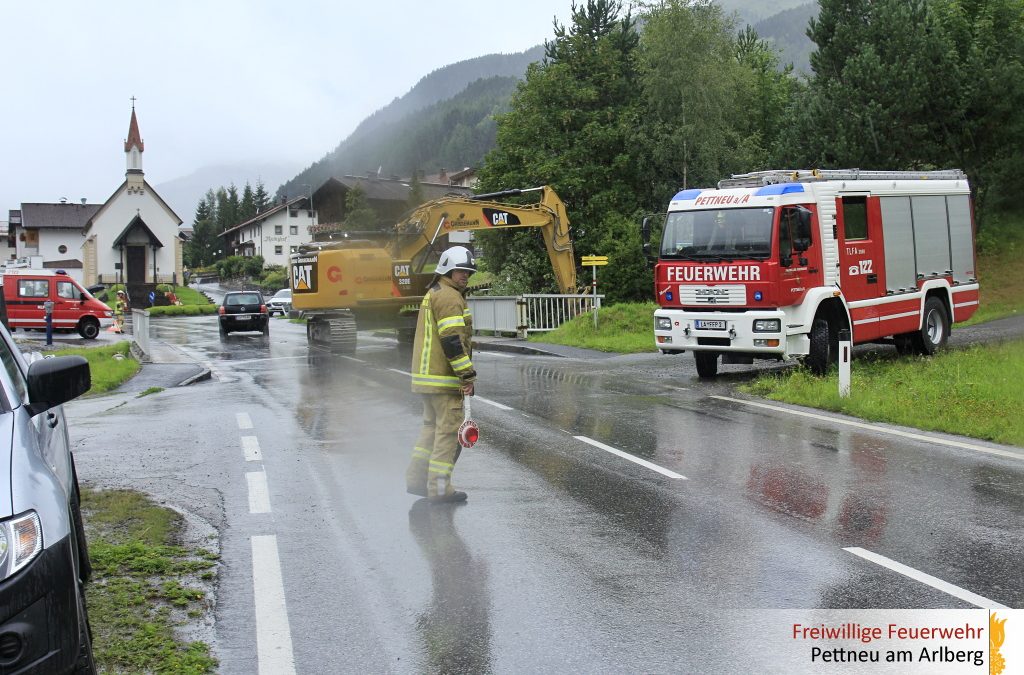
[[759, 178]]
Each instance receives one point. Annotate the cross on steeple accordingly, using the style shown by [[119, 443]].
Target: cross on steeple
[[133, 103]]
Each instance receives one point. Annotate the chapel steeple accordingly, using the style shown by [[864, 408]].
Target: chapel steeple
[[133, 146]]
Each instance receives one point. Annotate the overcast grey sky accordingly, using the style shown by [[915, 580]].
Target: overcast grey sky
[[219, 80]]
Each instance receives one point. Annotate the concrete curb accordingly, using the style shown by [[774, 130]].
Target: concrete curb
[[511, 348], [200, 377]]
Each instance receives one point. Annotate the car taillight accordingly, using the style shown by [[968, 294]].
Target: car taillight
[[263, 309], [220, 310]]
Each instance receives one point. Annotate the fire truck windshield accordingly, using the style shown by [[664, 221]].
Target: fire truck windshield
[[718, 234]]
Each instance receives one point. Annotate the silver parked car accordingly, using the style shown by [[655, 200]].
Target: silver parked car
[[44, 562], [281, 303]]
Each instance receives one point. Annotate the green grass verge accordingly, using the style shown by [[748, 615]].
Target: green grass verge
[[108, 372], [627, 328], [143, 586], [972, 392]]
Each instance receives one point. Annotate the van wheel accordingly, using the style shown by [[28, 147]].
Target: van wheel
[[89, 328], [707, 364], [820, 355], [934, 328]]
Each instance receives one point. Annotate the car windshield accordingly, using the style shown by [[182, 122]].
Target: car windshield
[[284, 293], [242, 299], [718, 234]]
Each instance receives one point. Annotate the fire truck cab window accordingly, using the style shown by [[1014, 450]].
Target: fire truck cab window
[[855, 218], [718, 233], [794, 232]]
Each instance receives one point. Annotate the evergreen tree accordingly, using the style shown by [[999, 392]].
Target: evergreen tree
[[359, 215], [200, 248], [247, 205], [224, 210], [983, 131], [906, 84], [260, 198], [570, 126], [715, 100], [415, 191]]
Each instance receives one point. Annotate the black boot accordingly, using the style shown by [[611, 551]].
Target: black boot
[[450, 498]]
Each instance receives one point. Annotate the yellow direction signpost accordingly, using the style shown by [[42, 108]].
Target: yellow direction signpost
[[595, 261]]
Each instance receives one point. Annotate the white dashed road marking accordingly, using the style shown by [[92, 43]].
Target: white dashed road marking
[[244, 421], [273, 634], [499, 406], [259, 493], [625, 455], [251, 449], [927, 579]]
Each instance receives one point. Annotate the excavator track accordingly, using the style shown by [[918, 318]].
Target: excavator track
[[335, 333]]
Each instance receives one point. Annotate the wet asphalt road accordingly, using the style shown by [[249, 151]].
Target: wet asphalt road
[[567, 557]]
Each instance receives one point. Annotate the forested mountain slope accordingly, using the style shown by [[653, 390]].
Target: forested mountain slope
[[457, 99]]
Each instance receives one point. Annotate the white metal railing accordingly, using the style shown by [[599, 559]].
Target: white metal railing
[[530, 313], [140, 331]]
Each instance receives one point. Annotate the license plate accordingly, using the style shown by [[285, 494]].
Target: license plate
[[705, 324], [242, 317]]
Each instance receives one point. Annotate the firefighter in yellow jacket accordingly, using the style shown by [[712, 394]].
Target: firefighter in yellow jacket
[[442, 371]]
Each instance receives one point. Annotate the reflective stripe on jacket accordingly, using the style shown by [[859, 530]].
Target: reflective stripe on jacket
[[442, 352]]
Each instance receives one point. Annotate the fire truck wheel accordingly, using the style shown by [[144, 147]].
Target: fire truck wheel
[[707, 364], [819, 356], [934, 329]]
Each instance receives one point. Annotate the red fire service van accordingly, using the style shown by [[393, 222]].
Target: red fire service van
[[773, 264], [74, 308]]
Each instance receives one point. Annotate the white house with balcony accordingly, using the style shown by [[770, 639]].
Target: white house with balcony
[[275, 233]]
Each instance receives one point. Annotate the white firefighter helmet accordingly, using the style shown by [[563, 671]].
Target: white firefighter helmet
[[455, 258]]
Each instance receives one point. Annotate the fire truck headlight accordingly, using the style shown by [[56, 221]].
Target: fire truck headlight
[[767, 325], [662, 323]]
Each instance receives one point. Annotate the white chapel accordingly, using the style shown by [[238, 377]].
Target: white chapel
[[133, 237]]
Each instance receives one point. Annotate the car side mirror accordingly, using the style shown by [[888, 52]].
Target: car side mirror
[[801, 245], [57, 380]]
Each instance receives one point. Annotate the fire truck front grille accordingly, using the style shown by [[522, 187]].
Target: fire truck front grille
[[733, 294]]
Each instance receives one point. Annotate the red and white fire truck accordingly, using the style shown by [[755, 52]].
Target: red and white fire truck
[[773, 264]]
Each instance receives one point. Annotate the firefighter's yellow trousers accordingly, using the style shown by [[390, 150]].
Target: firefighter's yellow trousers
[[437, 448]]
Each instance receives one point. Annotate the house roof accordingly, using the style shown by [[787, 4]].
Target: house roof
[[263, 215], [389, 189], [137, 221], [71, 215], [459, 175], [69, 264], [159, 199]]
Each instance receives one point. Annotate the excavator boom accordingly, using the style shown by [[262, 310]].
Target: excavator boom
[[337, 284], [482, 212]]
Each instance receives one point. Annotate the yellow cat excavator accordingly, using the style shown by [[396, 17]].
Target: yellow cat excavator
[[361, 283]]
